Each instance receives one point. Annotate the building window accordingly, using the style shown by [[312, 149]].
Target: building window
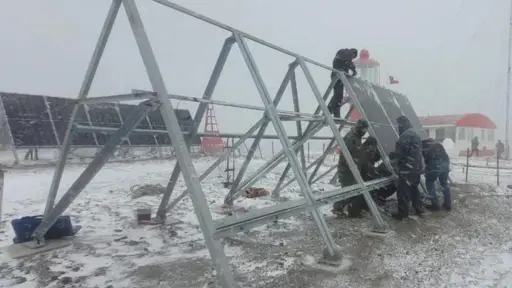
[[427, 131], [490, 135], [470, 133], [462, 133], [482, 134]]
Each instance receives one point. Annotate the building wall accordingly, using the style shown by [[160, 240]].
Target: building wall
[[462, 136], [486, 137]]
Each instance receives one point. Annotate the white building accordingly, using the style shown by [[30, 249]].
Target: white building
[[461, 129]]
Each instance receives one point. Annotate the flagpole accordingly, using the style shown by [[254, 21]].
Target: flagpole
[[509, 74]]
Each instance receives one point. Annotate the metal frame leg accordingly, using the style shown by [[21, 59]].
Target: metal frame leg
[[84, 90], [100, 159], [210, 87], [296, 108], [380, 225], [285, 142], [219, 260], [255, 144]]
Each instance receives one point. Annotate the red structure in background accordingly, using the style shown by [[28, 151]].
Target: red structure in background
[[213, 144]]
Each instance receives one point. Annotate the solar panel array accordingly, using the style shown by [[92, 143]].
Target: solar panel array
[[382, 107], [30, 120]]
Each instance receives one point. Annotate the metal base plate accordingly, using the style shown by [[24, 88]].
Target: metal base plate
[[21, 250], [312, 264]]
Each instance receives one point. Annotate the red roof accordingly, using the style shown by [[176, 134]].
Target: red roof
[[475, 120]]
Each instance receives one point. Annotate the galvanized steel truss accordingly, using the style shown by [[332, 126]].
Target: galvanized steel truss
[[160, 99]]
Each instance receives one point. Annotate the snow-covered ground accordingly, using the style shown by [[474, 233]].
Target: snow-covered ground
[[469, 247]]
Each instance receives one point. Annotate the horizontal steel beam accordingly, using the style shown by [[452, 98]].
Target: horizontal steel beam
[[150, 95], [239, 223], [95, 129]]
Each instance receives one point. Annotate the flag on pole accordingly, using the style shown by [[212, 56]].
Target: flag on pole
[[392, 80]]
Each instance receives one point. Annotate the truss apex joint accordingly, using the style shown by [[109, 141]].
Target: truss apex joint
[[230, 40], [294, 64]]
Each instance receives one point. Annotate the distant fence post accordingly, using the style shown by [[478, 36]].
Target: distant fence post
[[467, 164], [498, 170]]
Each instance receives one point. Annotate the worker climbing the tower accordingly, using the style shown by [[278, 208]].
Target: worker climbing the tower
[[410, 165], [353, 142], [343, 62]]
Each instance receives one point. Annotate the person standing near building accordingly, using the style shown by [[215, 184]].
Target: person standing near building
[[500, 149], [474, 146]]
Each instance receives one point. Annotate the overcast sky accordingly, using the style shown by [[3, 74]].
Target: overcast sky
[[449, 55]]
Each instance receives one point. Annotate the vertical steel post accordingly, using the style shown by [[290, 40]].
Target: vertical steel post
[[207, 95], [289, 151], [84, 90], [224, 273], [296, 108]]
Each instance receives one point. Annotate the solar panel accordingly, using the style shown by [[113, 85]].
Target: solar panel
[[375, 114], [387, 100], [137, 139], [409, 112], [61, 109], [104, 115], [28, 120], [28, 117]]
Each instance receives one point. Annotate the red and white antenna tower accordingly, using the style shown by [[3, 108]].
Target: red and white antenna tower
[[211, 142]]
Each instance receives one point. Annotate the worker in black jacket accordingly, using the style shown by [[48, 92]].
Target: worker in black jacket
[[343, 62], [410, 166], [437, 164]]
